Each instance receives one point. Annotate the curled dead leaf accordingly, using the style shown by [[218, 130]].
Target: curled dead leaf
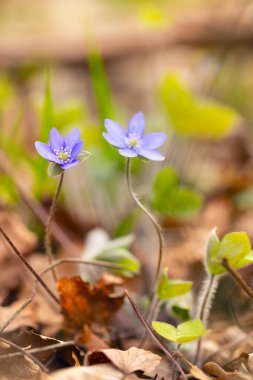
[[84, 303], [132, 360]]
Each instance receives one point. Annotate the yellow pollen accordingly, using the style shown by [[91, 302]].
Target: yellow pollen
[[63, 156], [133, 141]]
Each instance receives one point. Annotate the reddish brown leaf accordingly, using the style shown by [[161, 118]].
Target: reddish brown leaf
[[83, 303]]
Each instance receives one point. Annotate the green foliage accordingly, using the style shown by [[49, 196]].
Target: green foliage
[[47, 117], [171, 288], [54, 169], [235, 247], [116, 251], [123, 257], [181, 312], [126, 225], [172, 199], [183, 333], [192, 117], [99, 81]]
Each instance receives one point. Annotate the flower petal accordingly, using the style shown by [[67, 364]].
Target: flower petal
[[76, 149], [69, 164], [127, 152], [45, 151], [56, 139], [119, 143], [154, 140], [72, 138], [150, 154], [115, 130], [137, 124]]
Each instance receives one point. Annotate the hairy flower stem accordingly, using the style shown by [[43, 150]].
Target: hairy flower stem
[[149, 215], [204, 307], [153, 302], [154, 337], [49, 225], [34, 273]]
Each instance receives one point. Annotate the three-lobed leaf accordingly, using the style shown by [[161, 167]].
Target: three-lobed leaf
[[235, 247]]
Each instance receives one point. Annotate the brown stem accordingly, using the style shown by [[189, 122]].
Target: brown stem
[[238, 278], [34, 273], [149, 215], [25, 353], [39, 349], [49, 225], [153, 336]]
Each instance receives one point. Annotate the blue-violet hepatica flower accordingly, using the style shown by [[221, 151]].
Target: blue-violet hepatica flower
[[134, 142], [62, 151]]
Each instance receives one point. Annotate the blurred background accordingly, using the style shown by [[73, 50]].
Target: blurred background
[[186, 64]]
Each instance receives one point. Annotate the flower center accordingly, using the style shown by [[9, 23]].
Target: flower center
[[134, 140], [64, 154]]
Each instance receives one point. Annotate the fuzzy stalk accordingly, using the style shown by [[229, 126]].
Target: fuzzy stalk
[[204, 306], [48, 246]]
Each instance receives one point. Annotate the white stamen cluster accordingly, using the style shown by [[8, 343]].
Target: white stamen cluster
[[64, 154], [133, 140]]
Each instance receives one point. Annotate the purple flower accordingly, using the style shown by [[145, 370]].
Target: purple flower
[[134, 142], [62, 151]]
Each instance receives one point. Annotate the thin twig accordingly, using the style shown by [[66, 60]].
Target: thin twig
[[39, 349], [25, 353], [238, 278], [56, 263], [21, 257], [153, 336], [49, 225]]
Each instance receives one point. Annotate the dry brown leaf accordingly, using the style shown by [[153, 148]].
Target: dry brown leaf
[[218, 373], [95, 372], [131, 360], [19, 368], [27, 338], [83, 303], [198, 373]]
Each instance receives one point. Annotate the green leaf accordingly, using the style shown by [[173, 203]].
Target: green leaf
[[166, 330], [171, 199], [184, 333], [54, 169], [171, 288], [126, 225], [123, 257], [47, 121], [234, 246], [193, 117], [190, 330], [181, 312]]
